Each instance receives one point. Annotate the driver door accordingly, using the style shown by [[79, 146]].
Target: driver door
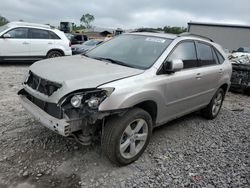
[[17, 44], [182, 89]]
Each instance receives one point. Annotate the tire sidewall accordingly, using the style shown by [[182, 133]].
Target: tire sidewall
[[130, 117], [54, 52]]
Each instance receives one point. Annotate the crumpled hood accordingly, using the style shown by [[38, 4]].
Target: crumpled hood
[[80, 72]]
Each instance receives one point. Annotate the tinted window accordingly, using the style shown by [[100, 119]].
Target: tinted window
[[187, 53], [38, 34], [220, 57], [19, 33], [53, 35], [205, 54]]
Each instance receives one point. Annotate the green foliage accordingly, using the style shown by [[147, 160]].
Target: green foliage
[[174, 30], [166, 29], [3, 20], [86, 19], [78, 27]]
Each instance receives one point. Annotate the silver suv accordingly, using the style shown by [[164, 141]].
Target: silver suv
[[122, 89]]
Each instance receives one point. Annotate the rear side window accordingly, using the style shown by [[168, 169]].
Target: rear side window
[[187, 53], [220, 57], [53, 35], [38, 34], [205, 54], [18, 33]]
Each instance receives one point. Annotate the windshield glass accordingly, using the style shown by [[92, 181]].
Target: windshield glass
[[2, 28], [91, 42], [132, 50]]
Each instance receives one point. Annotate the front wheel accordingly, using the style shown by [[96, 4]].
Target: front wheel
[[213, 108], [125, 138]]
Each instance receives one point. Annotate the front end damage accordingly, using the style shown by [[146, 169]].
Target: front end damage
[[240, 80], [76, 114]]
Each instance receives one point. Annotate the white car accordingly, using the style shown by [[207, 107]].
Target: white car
[[29, 41]]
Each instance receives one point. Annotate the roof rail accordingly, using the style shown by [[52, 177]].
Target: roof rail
[[29, 24], [195, 35]]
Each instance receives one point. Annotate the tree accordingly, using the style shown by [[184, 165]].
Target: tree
[[3, 20], [86, 19], [174, 30]]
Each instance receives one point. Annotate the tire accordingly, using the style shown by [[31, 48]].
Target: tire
[[213, 108], [247, 91], [118, 145], [53, 54]]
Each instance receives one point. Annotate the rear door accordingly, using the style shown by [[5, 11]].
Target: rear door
[[210, 69], [40, 42], [17, 45]]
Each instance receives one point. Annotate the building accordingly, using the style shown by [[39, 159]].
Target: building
[[229, 36], [98, 33]]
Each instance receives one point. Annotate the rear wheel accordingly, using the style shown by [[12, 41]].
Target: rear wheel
[[213, 108], [53, 54], [125, 138]]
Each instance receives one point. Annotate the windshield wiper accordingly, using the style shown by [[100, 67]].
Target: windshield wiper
[[83, 54], [114, 61]]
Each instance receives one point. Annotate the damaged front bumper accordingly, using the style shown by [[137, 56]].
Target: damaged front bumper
[[60, 126]]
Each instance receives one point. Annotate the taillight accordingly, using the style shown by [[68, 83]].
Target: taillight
[[69, 43]]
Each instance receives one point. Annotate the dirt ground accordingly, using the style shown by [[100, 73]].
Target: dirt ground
[[188, 152]]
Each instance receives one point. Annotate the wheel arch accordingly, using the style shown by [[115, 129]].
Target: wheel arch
[[149, 106], [56, 50], [225, 87]]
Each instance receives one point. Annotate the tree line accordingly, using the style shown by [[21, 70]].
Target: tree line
[[3, 20], [87, 19]]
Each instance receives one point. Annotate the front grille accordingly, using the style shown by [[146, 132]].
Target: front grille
[[50, 108], [42, 85]]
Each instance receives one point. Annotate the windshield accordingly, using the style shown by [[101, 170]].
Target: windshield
[[132, 50], [91, 42], [3, 28]]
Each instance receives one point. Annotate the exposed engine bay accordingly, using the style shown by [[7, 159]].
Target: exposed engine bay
[[240, 80]]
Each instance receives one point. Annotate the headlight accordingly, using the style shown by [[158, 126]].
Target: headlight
[[90, 98], [76, 101], [93, 102]]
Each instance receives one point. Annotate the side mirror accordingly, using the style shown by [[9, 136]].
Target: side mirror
[[6, 35], [173, 66]]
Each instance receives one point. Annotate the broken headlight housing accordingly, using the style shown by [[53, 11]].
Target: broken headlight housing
[[90, 98]]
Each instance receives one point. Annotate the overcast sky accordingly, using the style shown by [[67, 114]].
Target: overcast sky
[[128, 13]]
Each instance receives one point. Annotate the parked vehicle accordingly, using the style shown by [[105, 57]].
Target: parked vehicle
[[127, 86], [86, 46], [241, 72], [66, 27], [78, 38], [29, 41], [244, 49]]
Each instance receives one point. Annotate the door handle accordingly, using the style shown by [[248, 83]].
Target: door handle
[[25, 43], [49, 42], [198, 76], [220, 71]]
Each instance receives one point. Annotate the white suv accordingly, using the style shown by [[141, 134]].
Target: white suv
[[29, 41]]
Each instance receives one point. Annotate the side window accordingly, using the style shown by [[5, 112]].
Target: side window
[[220, 57], [18, 33], [53, 35], [187, 53], [38, 34], [205, 54]]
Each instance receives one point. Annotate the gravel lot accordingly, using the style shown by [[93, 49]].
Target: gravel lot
[[188, 152]]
